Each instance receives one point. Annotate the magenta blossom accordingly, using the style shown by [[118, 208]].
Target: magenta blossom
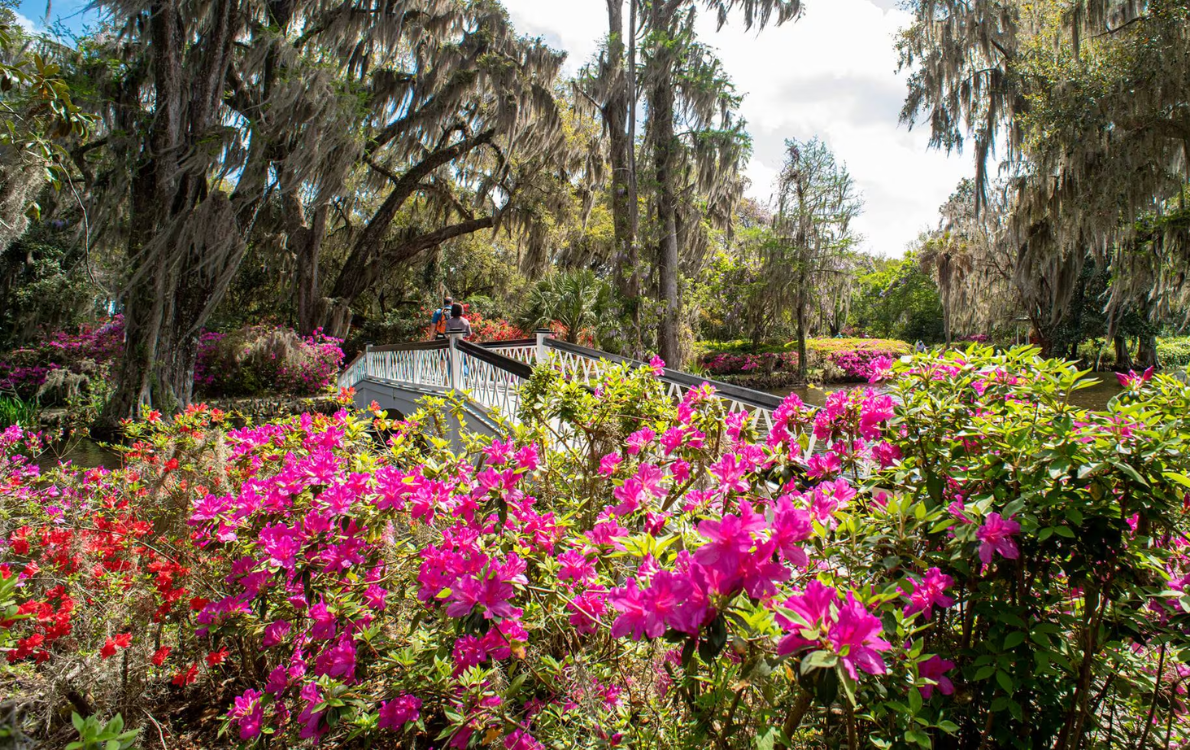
[[855, 637], [248, 713], [928, 593], [934, 669], [398, 712], [1133, 379], [996, 535]]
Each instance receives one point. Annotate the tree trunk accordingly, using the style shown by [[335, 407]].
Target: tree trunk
[[633, 194], [800, 314], [615, 117], [661, 117], [1146, 351], [305, 241], [1123, 356]]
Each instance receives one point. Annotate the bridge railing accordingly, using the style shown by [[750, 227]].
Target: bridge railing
[[493, 372], [587, 365]]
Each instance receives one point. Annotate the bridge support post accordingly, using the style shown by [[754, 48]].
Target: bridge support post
[[542, 352], [368, 361], [456, 362]]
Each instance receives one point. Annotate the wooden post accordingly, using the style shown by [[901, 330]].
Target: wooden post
[[542, 335], [456, 362], [368, 361]]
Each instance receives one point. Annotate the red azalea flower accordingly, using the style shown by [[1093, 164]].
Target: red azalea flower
[[181, 679], [160, 655], [216, 657]]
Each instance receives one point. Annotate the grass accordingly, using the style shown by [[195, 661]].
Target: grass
[[14, 410]]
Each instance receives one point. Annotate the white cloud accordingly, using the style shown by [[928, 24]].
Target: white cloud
[[29, 26], [830, 74]]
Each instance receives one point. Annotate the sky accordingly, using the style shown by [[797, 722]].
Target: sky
[[832, 74]]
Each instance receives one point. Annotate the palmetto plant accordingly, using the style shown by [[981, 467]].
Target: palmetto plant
[[574, 299]]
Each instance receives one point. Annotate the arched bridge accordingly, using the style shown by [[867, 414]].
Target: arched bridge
[[490, 375]]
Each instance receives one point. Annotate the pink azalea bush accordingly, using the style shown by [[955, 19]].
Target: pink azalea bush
[[266, 359], [725, 363], [960, 559]]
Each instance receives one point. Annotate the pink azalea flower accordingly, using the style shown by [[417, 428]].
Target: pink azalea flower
[[275, 632], [855, 637], [400, 711], [928, 593], [727, 542], [629, 495], [490, 595], [608, 464], [789, 526], [1134, 380], [634, 620], [680, 471], [934, 669], [576, 567], [338, 661], [996, 535], [638, 440], [522, 740], [248, 712], [730, 471], [813, 608], [650, 479], [657, 365]]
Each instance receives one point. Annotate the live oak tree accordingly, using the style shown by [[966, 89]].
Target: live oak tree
[[1087, 102], [237, 121]]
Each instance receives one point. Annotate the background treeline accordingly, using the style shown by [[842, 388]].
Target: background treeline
[[338, 166]]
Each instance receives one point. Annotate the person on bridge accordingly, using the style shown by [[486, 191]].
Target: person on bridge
[[439, 318], [457, 323]]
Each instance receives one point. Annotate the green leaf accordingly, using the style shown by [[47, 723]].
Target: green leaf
[[1005, 681], [1131, 472], [767, 739], [77, 721], [818, 660], [947, 726], [1065, 531], [918, 737], [1013, 639]]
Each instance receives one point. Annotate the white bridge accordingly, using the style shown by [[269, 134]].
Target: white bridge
[[490, 375]]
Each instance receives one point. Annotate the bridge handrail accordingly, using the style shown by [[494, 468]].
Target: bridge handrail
[[508, 364], [411, 346], [735, 392]]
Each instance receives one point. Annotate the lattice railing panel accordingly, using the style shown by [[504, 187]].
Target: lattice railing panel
[[520, 352], [412, 366], [493, 388]]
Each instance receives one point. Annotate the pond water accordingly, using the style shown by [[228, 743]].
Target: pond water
[[1095, 397], [83, 453]]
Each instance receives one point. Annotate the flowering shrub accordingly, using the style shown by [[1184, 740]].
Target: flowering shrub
[[253, 360], [89, 352], [852, 360], [266, 359], [964, 558], [723, 363]]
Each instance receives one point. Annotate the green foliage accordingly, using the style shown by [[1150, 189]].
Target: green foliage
[[96, 736], [43, 286], [575, 300], [899, 300], [15, 410]]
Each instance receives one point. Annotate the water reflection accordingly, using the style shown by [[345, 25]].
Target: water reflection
[[1094, 397], [82, 453]]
